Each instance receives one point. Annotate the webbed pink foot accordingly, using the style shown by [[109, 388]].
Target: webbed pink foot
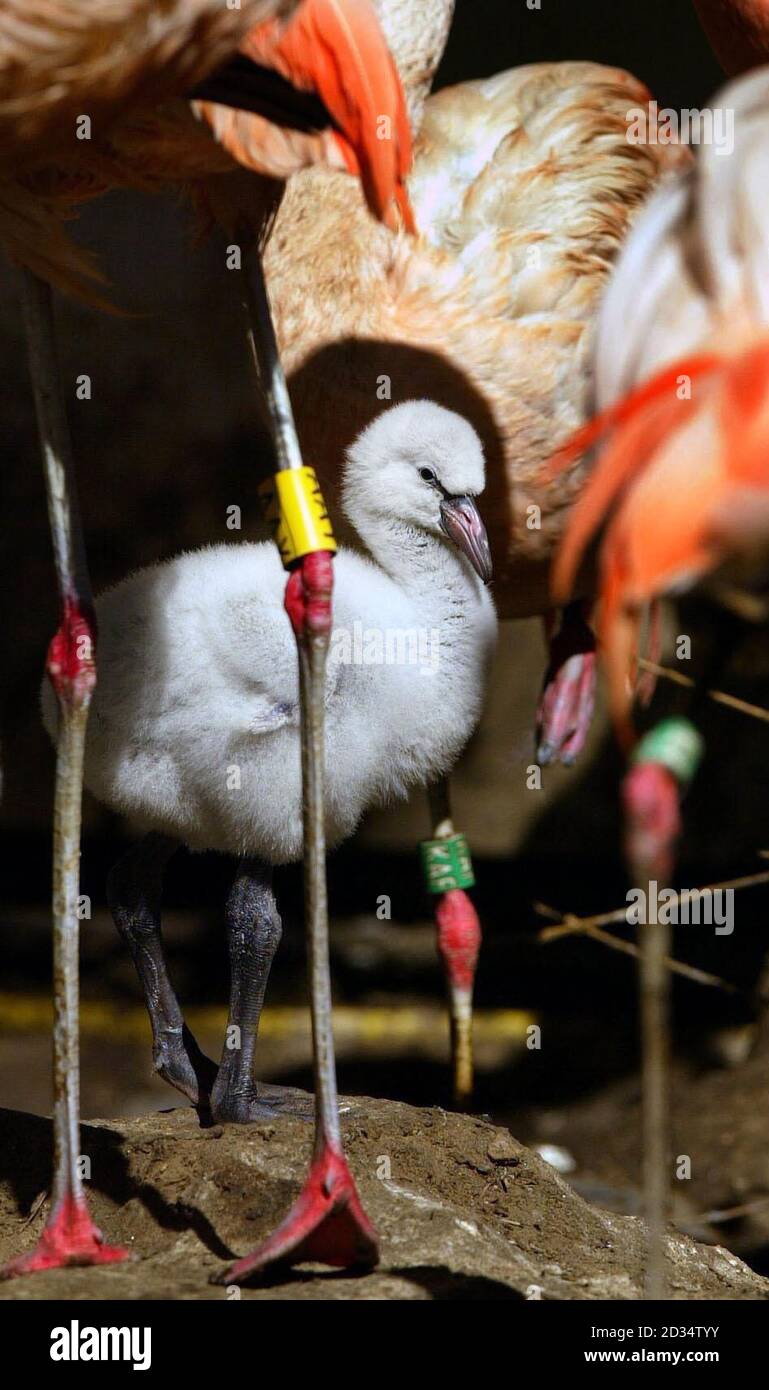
[[567, 702]]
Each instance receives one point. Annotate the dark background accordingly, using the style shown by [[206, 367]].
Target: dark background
[[659, 40]]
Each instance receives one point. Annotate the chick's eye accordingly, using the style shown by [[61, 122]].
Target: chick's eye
[[427, 475]]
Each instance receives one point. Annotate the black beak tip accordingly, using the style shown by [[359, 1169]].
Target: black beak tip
[[486, 569]]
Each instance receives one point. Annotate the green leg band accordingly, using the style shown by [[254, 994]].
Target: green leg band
[[676, 744], [446, 864]]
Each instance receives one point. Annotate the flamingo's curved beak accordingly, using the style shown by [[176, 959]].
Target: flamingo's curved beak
[[462, 523], [336, 48]]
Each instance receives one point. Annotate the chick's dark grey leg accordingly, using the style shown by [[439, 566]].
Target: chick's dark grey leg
[[253, 934], [134, 891]]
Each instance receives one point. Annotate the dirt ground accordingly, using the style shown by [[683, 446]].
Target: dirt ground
[[720, 1122], [463, 1210]]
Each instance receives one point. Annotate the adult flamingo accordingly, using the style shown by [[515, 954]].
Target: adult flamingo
[[278, 84], [680, 492]]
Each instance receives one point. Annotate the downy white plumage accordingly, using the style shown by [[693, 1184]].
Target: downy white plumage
[[194, 729]]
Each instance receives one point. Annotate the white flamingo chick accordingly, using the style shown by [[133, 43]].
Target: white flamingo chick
[[194, 730], [195, 723]]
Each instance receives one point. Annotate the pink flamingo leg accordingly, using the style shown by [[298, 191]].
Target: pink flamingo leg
[[70, 1236], [664, 762], [327, 1222], [459, 944], [448, 872]]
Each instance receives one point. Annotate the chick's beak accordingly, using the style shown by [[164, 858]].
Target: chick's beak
[[462, 523]]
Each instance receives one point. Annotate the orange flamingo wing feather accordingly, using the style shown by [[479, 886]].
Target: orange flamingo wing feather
[[745, 417], [660, 534], [681, 486], [636, 425]]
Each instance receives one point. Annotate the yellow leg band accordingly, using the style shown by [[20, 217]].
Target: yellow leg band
[[295, 507]]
